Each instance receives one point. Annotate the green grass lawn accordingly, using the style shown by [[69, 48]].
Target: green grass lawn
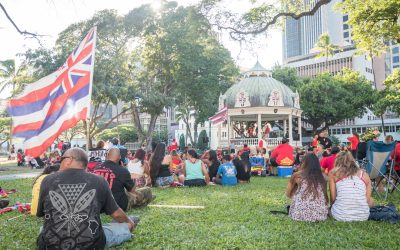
[[233, 218], [10, 167]]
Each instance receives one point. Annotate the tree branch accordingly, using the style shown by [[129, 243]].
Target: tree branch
[[22, 32], [311, 12]]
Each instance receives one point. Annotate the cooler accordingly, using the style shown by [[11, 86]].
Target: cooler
[[284, 171]]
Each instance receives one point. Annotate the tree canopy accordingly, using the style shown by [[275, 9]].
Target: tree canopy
[[328, 100]]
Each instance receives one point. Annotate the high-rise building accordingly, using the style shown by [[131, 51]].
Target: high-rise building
[[299, 39]]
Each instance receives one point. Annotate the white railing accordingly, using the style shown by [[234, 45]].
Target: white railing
[[132, 145], [271, 142]]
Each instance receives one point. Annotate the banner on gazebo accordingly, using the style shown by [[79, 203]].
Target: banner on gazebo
[[219, 117]]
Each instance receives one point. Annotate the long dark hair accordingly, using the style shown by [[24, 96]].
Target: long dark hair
[[193, 153], [213, 158], [155, 161], [48, 170], [140, 155], [311, 173]]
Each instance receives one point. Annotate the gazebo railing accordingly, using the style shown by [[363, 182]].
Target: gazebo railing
[[271, 142]]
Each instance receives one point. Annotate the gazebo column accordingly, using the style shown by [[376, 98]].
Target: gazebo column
[[299, 128], [229, 130], [284, 128], [290, 129], [259, 135]]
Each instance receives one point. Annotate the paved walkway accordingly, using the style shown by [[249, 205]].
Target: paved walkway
[[17, 176]]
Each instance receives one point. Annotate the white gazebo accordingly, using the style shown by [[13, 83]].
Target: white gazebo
[[258, 99]]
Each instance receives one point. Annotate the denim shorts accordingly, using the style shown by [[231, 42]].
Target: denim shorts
[[116, 233], [164, 181]]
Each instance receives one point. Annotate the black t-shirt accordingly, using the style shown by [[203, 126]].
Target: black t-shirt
[[118, 179], [71, 202], [213, 169], [164, 171], [325, 141], [361, 151]]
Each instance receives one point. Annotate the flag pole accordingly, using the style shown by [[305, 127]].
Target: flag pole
[[88, 134], [90, 93]]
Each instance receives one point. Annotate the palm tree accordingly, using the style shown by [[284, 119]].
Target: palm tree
[[325, 47], [11, 76]]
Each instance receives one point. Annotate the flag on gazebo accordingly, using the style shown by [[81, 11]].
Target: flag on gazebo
[[56, 102], [220, 116]]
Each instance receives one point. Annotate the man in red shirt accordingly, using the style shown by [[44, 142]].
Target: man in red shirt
[[282, 154], [396, 156], [173, 146], [328, 163], [245, 148]]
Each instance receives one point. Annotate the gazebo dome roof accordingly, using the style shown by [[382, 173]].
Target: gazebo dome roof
[[258, 89]]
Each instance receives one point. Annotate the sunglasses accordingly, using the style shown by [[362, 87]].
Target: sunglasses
[[65, 157]]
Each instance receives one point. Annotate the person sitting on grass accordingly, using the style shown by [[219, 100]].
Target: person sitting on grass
[[71, 201], [328, 162], [159, 167], [350, 189], [194, 171], [36, 185], [139, 169], [226, 174], [243, 168], [213, 164], [121, 183], [282, 155], [307, 189], [175, 162]]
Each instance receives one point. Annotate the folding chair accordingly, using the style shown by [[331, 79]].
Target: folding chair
[[378, 154]]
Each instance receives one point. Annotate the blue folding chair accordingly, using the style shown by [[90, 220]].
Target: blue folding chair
[[378, 154]]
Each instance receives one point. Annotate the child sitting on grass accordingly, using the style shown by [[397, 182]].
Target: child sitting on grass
[[226, 174]]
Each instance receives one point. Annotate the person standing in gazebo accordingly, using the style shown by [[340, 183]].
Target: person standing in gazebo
[[266, 130]]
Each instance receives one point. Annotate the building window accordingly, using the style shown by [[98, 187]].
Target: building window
[[346, 34], [345, 26], [395, 50], [396, 66], [395, 59], [345, 18]]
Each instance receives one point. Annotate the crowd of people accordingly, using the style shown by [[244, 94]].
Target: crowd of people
[[70, 195]]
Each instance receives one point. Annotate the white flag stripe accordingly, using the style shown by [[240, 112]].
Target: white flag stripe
[[33, 117], [39, 139], [43, 82]]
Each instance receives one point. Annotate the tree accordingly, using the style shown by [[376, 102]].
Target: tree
[[182, 144], [69, 134], [163, 67], [11, 76], [202, 140], [328, 100], [326, 48], [287, 76], [160, 136], [5, 126], [110, 71], [259, 18], [127, 133], [389, 98], [373, 23]]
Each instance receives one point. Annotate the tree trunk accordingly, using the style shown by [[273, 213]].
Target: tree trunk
[[373, 74], [195, 126], [150, 130]]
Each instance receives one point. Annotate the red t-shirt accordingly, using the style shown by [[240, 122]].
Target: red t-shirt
[[283, 154], [397, 159], [314, 143], [174, 146], [353, 142], [328, 162]]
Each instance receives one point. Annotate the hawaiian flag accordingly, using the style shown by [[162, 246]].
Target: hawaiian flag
[[56, 102], [219, 117]]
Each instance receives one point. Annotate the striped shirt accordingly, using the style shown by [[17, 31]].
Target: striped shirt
[[351, 199]]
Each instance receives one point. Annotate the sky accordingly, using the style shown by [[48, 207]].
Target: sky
[[49, 17]]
